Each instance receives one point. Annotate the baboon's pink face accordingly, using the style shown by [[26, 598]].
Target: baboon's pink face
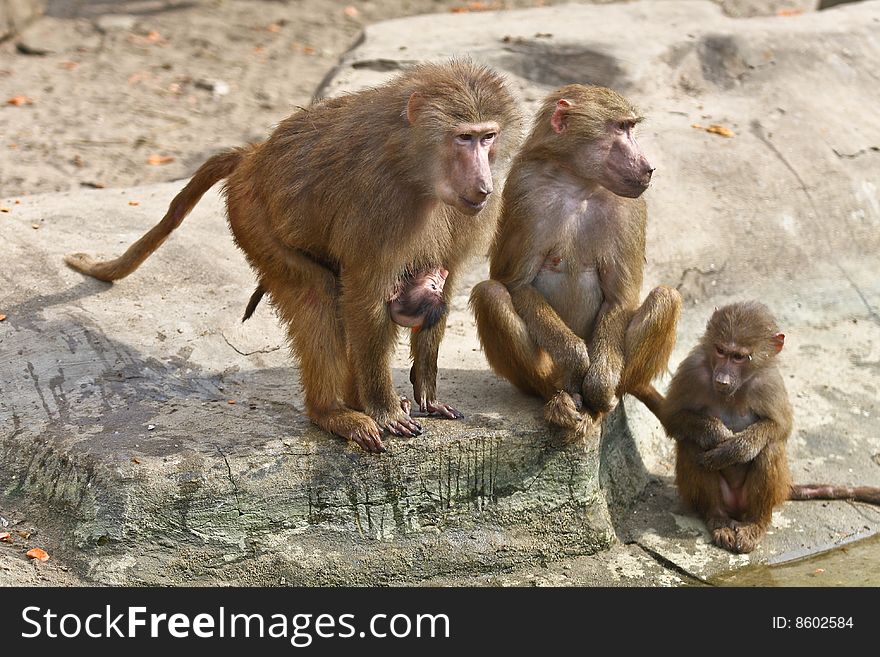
[[627, 170], [466, 178]]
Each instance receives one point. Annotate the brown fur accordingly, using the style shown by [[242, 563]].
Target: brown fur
[[211, 172], [543, 345], [353, 181], [737, 441]]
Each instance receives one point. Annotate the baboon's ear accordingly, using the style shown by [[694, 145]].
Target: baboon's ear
[[413, 106], [559, 120], [778, 342]]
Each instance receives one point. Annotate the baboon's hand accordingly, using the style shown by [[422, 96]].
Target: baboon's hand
[[406, 405], [424, 394], [730, 452], [599, 388], [397, 422], [713, 434], [576, 369], [434, 407]]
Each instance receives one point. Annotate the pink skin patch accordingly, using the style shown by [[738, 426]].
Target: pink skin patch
[[419, 298], [733, 496], [628, 169], [552, 263]]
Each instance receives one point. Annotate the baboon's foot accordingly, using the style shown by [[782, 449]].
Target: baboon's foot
[[354, 426]]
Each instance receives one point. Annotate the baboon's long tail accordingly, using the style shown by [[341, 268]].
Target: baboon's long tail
[[651, 398], [214, 170], [869, 494]]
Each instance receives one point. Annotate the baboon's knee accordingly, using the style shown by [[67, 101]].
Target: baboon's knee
[[665, 302], [489, 293]]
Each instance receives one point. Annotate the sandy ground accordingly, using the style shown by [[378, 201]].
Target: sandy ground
[[174, 80], [112, 93], [127, 92]]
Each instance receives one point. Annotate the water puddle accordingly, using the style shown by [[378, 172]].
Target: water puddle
[[852, 564]]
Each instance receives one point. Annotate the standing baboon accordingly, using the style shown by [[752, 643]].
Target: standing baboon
[[560, 317], [373, 183]]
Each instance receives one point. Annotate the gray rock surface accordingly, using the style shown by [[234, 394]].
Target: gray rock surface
[[15, 14], [170, 436], [786, 210]]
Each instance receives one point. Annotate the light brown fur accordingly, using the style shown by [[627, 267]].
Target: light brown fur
[[370, 184], [730, 417], [560, 317]]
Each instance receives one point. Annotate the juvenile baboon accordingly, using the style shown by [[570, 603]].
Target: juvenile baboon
[[560, 317], [371, 183], [729, 413]]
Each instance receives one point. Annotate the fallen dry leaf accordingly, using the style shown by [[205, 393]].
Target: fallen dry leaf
[[5, 537], [151, 38], [18, 101], [476, 6], [159, 159], [304, 49], [715, 129], [134, 202], [2, 318], [25, 535], [38, 554], [720, 130]]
